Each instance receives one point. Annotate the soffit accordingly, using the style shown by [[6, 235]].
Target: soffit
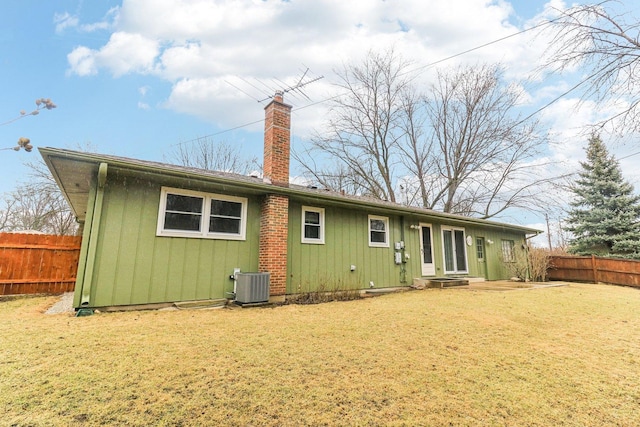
[[74, 178]]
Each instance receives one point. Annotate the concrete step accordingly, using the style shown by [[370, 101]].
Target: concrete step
[[439, 282], [209, 303]]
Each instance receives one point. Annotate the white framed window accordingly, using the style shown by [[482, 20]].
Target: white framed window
[[378, 231], [186, 213], [454, 249], [508, 254], [312, 225], [480, 248]]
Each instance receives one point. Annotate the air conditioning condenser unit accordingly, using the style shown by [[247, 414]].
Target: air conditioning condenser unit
[[252, 288]]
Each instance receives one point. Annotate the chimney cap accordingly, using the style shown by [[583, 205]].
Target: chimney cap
[[279, 96]]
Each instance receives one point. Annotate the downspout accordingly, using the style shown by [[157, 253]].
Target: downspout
[[403, 268], [90, 239], [84, 247], [526, 252]]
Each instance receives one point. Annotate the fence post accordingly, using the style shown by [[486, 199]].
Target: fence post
[[594, 268]]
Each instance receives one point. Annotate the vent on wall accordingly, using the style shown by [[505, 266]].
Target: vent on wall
[[252, 288]]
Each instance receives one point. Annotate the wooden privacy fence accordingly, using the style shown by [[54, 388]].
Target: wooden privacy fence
[[38, 263], [595, 269]]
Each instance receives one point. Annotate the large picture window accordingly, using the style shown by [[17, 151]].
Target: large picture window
[[312, 225], [455, 250], [378, 231], [185, 213]]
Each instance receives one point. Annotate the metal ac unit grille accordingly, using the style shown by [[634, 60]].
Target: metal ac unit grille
[[252, 287]]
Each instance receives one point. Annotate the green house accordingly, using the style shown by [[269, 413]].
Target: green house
[[155, 233]]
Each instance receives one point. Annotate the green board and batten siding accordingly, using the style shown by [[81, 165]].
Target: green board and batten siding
[[134, 266], [495, 269], [346, 243], [123, 262]]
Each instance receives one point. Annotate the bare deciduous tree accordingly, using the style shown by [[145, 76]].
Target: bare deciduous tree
[[606, 46], [365, 127], [32, 209], [37, 203], [204, 153], [483, 157], [5, 213], [460, 147], [416, 151]]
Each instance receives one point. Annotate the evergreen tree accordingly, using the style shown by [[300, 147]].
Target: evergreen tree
[[604, 215]]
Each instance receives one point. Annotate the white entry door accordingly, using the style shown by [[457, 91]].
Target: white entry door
[[426, 250]]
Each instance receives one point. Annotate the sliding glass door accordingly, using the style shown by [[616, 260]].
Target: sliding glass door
[[455, 250]]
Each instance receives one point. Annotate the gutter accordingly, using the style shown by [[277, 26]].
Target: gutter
[[265, 188]]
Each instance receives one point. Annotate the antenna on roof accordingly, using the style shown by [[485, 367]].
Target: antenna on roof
[[297, 88]]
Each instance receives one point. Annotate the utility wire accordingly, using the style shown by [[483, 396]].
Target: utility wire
[[220, 132], [252, 123], [556, 99], [542, 24], [629, 155], [423, 67]]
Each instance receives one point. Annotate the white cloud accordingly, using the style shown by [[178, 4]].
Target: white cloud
[[199, 44], [127, 52], [89, 28], [569, 120], [195, 19], [221, 56], [208, 98], [124, 53], [109, 21], [64, 21], [82, 61]]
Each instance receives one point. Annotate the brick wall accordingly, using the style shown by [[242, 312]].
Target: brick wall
[[277, 136], [274, 213], [274, 221]]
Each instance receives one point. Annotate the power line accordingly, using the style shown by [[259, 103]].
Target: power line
[[542, 24], [220, 132], [556, 99], [629, 155]]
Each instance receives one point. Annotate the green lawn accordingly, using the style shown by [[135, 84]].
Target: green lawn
[[548, 357]]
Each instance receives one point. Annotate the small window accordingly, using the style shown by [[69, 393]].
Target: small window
[[185, 213], [226, 216], [378, 231], [508, 254], [312, 225], [480, 248]]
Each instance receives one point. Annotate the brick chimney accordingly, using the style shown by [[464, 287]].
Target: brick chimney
[[277, 137], [274, 212]]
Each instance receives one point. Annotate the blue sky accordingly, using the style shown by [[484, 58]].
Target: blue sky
[[135, 77], [101, 109]]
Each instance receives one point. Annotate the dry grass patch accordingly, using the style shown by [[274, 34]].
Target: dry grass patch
[[554, 356]]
